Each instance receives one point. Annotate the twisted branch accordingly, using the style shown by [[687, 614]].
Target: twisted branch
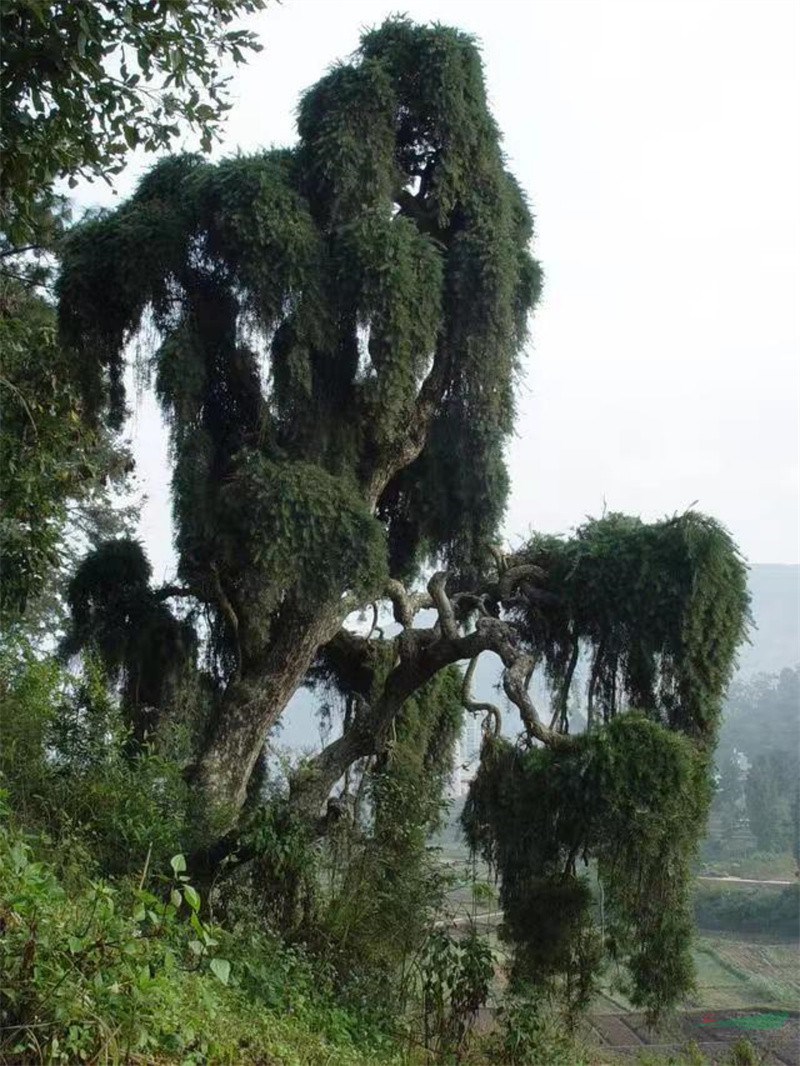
[[476, 706]]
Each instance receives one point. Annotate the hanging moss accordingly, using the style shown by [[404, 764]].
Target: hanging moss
[[659, 610], [632, 797]]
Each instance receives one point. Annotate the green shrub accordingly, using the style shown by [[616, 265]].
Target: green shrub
[[68, 770], [533, 1033], [91, 972], [749, 909], [744, 1054], [110, 972]]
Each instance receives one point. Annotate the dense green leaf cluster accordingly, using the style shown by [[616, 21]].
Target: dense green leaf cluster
[[632, 797], [300, 527], [660, 608], [143, 647], [67, 762], [83, 84], [130, 971]]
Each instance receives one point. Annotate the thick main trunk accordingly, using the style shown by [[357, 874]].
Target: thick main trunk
[[251, 707]]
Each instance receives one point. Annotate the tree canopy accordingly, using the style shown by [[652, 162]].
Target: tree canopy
[[56, 470], [83, 83]]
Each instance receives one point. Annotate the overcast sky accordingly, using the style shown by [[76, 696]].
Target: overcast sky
[[659, 143]]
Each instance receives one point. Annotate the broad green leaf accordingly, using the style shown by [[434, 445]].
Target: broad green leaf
[[221, 968], [192, 897], [178, 864]]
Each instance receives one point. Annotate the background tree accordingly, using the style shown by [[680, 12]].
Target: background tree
[[82, 84], [761, 715], [56, 470], [772, 794]]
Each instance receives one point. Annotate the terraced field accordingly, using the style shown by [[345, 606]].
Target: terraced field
[[776, 1035], [748, 986]]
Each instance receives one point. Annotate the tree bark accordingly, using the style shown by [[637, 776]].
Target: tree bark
[[422, 653], [252, 705]]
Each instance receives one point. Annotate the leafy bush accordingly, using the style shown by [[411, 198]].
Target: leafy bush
[[92, 971], [457, 975], [744, 1054], [533, 1034], [746, 909], [67, 768], [117, 973]]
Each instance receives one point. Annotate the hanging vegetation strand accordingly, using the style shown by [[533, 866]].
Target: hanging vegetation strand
[[658, 612]]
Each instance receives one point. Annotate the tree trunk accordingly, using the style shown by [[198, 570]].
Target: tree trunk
[[252, 705]]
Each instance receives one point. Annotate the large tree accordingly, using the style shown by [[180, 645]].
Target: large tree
[[340, 330], [340, 327]]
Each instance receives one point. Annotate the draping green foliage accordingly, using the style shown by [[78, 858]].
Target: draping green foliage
[[660, 609], [632, 797], [301, 297], [142, 645], [406, 789]]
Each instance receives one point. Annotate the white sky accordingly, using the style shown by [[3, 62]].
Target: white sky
[[659, 143]]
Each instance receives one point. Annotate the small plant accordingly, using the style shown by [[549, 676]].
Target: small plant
[[744, 1054], [457, 975], [533, 1034], [96, 968]]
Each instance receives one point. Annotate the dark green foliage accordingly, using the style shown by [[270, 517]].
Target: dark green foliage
[[661, 608], [365, 897], [52, 465], [141, 644], [772, 795], [631, 796], [746, 909], [83, 84], [532, 1031], [392, 239], [387, 882], [113, 971], [67, 763], [300, 527]]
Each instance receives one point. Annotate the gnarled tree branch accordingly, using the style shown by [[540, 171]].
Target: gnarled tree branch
[[476, 706]]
